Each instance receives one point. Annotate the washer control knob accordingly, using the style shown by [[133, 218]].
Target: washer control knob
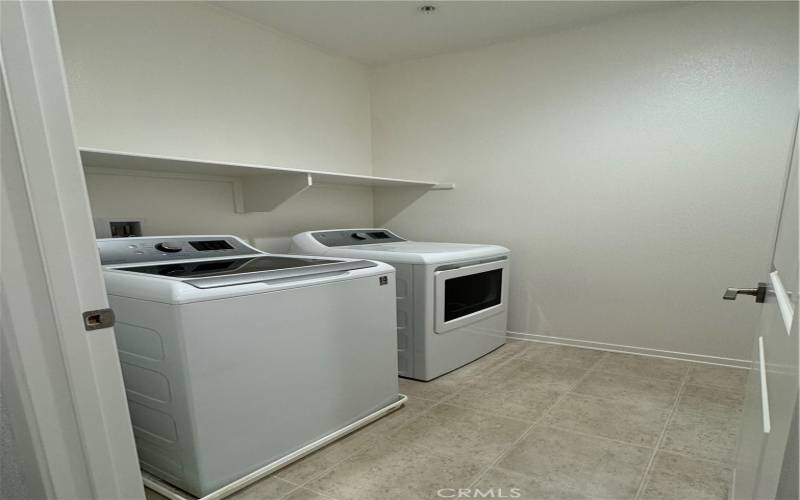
[[360, 236], [168, 246]]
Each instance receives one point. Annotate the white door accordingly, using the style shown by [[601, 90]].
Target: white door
[[767, 440], [63, 400]]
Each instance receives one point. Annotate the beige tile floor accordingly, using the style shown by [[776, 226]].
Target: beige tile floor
[[555, 422]]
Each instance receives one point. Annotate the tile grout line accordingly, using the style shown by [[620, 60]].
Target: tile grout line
[[527, 431], [299, 487], [488, 371], [360, 449], [462, 386], [445, 400], [597, 436], [517, 355], [318, 492], [606, 371], [281, 497], [697, 459], [592, 369], [645, 476], [312, 490], [619, 400], [409, 421], [488, 413]]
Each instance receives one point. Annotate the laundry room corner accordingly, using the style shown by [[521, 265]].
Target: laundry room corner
[[593, 152]]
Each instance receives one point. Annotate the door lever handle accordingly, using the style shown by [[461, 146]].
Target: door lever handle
[[759, 293]]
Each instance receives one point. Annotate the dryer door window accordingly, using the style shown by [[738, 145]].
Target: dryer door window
[[467, 294]]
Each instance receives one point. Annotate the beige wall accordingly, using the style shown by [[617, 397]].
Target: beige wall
[[187, 79], [633, 167]]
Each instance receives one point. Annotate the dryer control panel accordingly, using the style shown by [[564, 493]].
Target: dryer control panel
[[347, 237], [160, 248]]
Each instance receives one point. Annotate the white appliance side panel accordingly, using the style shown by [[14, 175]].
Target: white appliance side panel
[[149, 345], [405, 319], [270, 373]]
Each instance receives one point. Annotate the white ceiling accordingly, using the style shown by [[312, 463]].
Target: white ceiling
[[381, 32]]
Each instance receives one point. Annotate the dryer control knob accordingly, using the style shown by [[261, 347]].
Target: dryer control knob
[[169, 247], [360, 236]]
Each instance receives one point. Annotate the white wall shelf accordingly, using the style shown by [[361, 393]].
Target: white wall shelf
[[257, 188]]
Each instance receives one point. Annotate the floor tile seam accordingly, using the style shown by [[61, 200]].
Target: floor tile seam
[[412, 419], [731, 463], [522, 475], [425, 399], [295, 483], [487, 413], [318, 492], [369, 436], [596, 362], [596, 436], [296, 487], [447, 397], [556, 363], [676, 381], [399, 440], [500, 456], [336, 464], [716, 388], [444, 400], [463, 385], [699, 459], [527, 431], [728, 463], [518, 356], [712, 415], [499, 365], [615, 399], [645, 476], [739, 400], [629, 376]]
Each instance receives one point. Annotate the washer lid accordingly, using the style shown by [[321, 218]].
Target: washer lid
[[228, 272]]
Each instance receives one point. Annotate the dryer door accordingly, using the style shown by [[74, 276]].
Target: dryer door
[[470, 293]]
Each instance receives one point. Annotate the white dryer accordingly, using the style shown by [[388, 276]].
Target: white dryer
[[452, 298], [237, 362]]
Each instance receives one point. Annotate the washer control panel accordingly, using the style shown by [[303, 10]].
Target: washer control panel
[[347, 237], [160, 248]]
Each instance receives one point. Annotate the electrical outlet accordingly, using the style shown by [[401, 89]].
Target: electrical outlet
[[117, 228]]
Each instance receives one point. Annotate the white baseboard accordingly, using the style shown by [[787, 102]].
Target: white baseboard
[[642, 351]]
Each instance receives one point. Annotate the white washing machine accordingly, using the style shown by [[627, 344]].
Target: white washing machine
[[452, 298], [237, 362]]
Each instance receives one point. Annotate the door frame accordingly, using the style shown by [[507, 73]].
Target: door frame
[[62, 244]]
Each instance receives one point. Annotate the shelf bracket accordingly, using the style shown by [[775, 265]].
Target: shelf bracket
[[264, 192]]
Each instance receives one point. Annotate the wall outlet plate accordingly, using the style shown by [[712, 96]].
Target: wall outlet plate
[[117, 227]]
